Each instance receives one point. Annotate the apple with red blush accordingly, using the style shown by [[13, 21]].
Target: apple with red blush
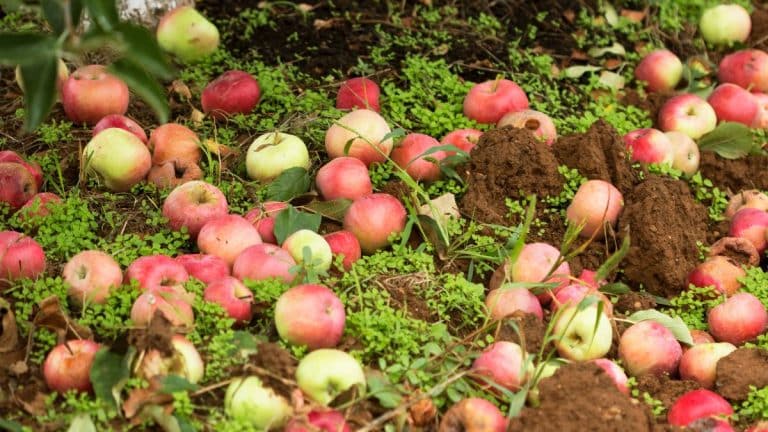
[[615, 372], [689, 114], [319, 421], [310, 315], [233, 296], [361, 134], [595, 206], [226, 237], [264, 261], [358, 92], [91, 93], [697, 404], [573, 294], [157, 273], [20, 257], [720, 272], [752, 198], [463, 139], [17, 186], [741, 318], [203, 267], [121, 122], [650, 146], [33, 168], [192, 205], [540, 124], [372, 219], [263, 218], [699, 362], [39, 206], [173, 305], [234, 92], [174, 173], [118, 158], [172, 141], [535, 263], [408, 156], [734, 104], [648, 347], [346, 244], [489, 101], [505, 364], [661, 70], [505, 301], [344, 178], [91, 276], [68, 366], [747, 68], [751, 224], [473, 414]]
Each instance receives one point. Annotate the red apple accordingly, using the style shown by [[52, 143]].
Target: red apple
[[90, 94], [263, 218], [344, 177], [463, 139], [20, 257], [699, 362], [174, 173], [661, 70], [505, 301], [173, 305], [233, 296], [408, 157], [505, 364], [615, 372], [689, 114], [122, 122], [68, 366], [205, 268], [649, 146], [720, 272], [540, 124], [487, 102], [358, 93], [192, 204], [319, 421], [535, 262], [17, 186], [473, 415], [91, 276], [739, 319], [596, 204], [649, 347], [32, 167], [157, 273], [701, 337], [264, 261], [734, 104], [746, 68], [310, 315], [39, 206], [361, 133], [234, 92], [761, 426], [344, 243], [173, 141], [762, 100], [226, 237], [752, 198], [372, 219], [751, 224], [573, 294], [697, 404]]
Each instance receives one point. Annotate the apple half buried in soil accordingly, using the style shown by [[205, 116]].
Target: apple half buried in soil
[[473, 415], [596, 207], [326, 373], [249, 401], [540, 124], [697, 404], [699, 362]]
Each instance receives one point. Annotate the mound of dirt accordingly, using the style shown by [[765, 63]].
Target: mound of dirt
[[632, 302], [735, 174], [530, 328], [664, 388], [740, 369], [582, 397], [664, 223], [758, 37]]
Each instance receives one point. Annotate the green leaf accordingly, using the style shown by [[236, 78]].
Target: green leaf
[[103, 13], [611, 16], [76, 11], [675, 325], [289, 184], [141, 47], [613, 261], [184, 424], [144, 85], [82, 423], [616, 288], [382, 389], [53, 12], [26, 48], [11, 426], [109, 372], [175, 383], [334, 209], [729, 140], [39, 90], [290, 220]]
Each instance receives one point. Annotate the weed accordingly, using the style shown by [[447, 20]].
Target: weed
[[755, 282], [692, 305], [55, 133], [756, 405], [110, 319], [573, 180]]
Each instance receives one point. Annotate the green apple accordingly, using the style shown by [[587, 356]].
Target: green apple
[[186, 33], [584, 334], [319, 249], [324, 374], [118, 158], [247, 400], [272, 153], [725, 24]]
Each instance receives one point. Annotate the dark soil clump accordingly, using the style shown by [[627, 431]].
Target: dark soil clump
[[404, 292], [599, 406], [664, 388], [740, 369], [664, 222], [758, 37], [735, 175], [280, 364], [632, 302], [531, 327]]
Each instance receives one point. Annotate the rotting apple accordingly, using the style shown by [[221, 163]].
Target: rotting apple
[[192, 205], [661, 70], [33, 168], [747, 68], [249, 401], [234, 92], [487, 102], [118, 158], [697, 404], [344, 178], [751, 198], [174, 173], [326, 373], [408, 156], [504, 301], [20, 257], [650, 146], [319, 250], [739, 319], [373, 219], [725, 24], [91, 276], [17, 186], [689, 114], [233, 296], [272, 153], [174, 142], [648, 347], [187, 34], [227, 237], [68, 365], [582, 333], [685, 153], [264, 261], [596, 204], [310, 315], [739, 248], [121, 122], [358, 92], [699, 362], [91, 93], [473, 414], [183, 360], [540, 124], [346, 244], [360, 134], [463, 139], [319, 421], [171, 304], [505, 364], [205, 268], [263, 218], [720, 272]]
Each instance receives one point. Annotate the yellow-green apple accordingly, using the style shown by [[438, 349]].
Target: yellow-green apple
[[319, 250], [174, 173], [573, 294], [473, 414], [543, 370], [32, 167], [751, 224], [734, 104], [408, 156], [264, 261], [487, 102], [582, 333], [192, 204], [725, 24], [689, 114], [310, 315], [596, 204], [229, 293], [699, 362], [698, 404], [685, 153], [535, 263], [739, 319], [319, 421], [91, 93], [540, 124], [121, 122], [62, 75], [661, 70], [272, 153], [17, 186], [182, 360], [344, 177], [372, 219], [346, 244], [615, 372], [39, 206], [171, 304], [263, 218], [506, 300], [649, 146], [746, 68], [118, 158], [234, 92], [752, 198], [20, 257], [358, 92], [463, 139], [174, 142], [359, 134], [505, 364], [185, 33], [91, 276], [719, 272], [205, 268], [68, 366], [326, 373], [648, 347], [249, 401], [226, 237], [157, 273]]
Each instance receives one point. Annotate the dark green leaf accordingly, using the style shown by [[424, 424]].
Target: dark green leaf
[[144, 85], [382, 389], [435, 235], [675, 325], [141, 47], [184, 424], [109, 369], [53, 12], [75, 11], [39, 90], [244, 341], [335, 209], [290, 220], [617, 288], [613, 261], [26, 48], [103, 13], [175, 383], [729, 140], [289, 184], [10, 425]]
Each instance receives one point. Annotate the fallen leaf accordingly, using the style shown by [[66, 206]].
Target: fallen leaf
[[178, 87], [612, 80], [500, 275], [32, 401], [52, 317], [196, 116], [442, 208], [18, 368], [569, 15], [633, 15], [218, 149], [579, 55], [140, 398], [321, 24], [612, 64], [9, 334]]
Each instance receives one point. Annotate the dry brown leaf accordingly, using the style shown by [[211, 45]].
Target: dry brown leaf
[[569, 15], [579, 55], [445, 208], [178, 87], [9, 334], [634, 15], [321, 24], [52, 317], [500, 276], [612, 64], [18, 368], [33, 404]]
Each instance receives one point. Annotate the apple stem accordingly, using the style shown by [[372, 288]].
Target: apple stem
[[66, 344], [496, 82]]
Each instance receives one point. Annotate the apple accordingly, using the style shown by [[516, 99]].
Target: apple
[[649, 347], [39, 206], [344, 178], [582, 333], [91, 93], [473, 415], [408, 156], [264, 261], [20, 257], [534, 264], [504, 301], [615, 372], [263, 218], [751, 224], [174, 142], [596, 204], [310, 315], [183, 360], [68, 366], [320, 421], [661, 70], [205, 268], [699, 362], [589, 278], [17, 186], [720, 272], [543, 370], [762, 100], [697, 404], [725, 24], [185, 33], [171, 304], [121, 122], [91, 276], [372, 219], [685, 153], [192, 204], [118, 158], [358, 93], [540, 124], [272, 153], [359, 134], [487, 102], [505, 364], [463, 139], [249, 401], [761, 426], [701, 337], [734, 104], [174, 173], [62, 75], [689, 114], [32, 167], [231, 295], [234, 92], [736, 246], [226, 237], [650, 146], [573, 294], [746, 68], [326, 373], [346, 244], [752, 198], [157, 273], [741, 318], [319, 249]]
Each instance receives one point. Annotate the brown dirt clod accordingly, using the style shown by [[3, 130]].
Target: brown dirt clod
[[740, 369], [735, 175], [664, 388], [531, 327]]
